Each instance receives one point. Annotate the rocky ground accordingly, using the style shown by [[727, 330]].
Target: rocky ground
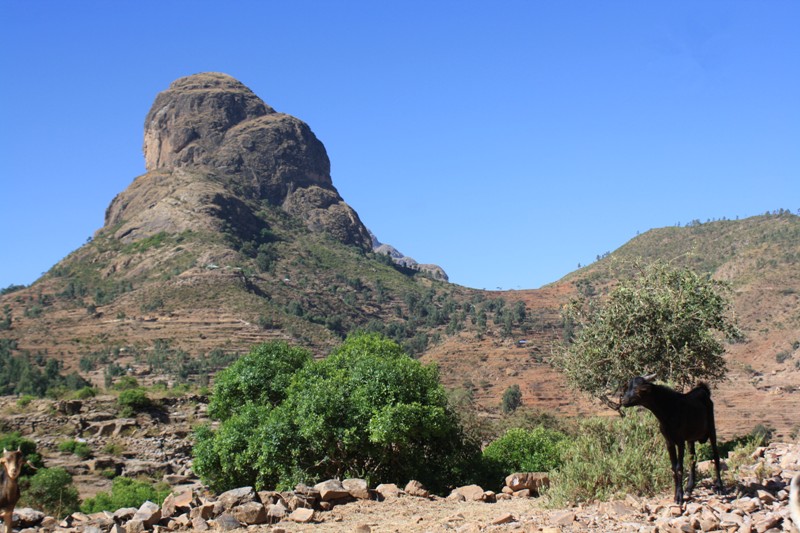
[[155, 444]]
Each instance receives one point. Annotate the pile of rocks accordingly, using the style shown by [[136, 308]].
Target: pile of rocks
[[757, 503]]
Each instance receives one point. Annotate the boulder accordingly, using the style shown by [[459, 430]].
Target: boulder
[[471, 493], [533, 481], [358, 488], [302, 515], [27, 517], [276, 512], [331, 490], [226, 522], [250, 513], [148, 513], [235, 497], [388, 490], [415, 488]]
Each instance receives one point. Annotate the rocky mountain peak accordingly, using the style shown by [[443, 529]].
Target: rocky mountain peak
[[210, 128]]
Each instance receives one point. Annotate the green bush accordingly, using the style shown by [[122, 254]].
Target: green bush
[[131, 401], [367, 410], [260, 377], [126, 383], [611, 458], [512, 399], [79, 448], [51, 490], [522, 450], [14, 441], [85, 393], [126, 492]]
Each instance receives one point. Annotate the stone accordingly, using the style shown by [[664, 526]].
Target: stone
[[168, 506], [204, 511], [250, 513], [134, 526], [358, 488], [183, 498], [471, 493], [564, 518], [149, 513], [768, 522], [388, 490], [765, 497], [362, 528], [124, 514], [234, 497], [506, 518], [199, 524], [226, 522], [331, 489], [276, 512], [524, 493], [302, 515], [268, 497], [27, 517], [534, 481], [415, 488]]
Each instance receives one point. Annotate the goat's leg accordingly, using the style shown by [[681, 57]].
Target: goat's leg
[[692, 469], [673, 460], [719, 488], [7, 518], [679, 474]]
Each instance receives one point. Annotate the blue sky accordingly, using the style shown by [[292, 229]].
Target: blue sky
[[505, 141]]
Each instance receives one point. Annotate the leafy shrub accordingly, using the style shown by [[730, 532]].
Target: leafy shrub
[[125, 382], [260, 377], [14, 441], [512, 399], [367, 410], [85, 393], [521, 450], [79, 448], [611, 458], [133, 400], [52, 491], [24, 400], [126, 492]]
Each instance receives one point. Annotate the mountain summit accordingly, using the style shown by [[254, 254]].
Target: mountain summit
[[208, 139]]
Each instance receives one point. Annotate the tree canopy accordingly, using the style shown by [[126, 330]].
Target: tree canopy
[[663, 320], [367, 410]]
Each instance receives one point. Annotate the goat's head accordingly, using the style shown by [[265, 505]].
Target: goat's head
[[636, 389], [12, 462]]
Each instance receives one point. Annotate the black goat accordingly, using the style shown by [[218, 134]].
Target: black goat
[[684, 418]]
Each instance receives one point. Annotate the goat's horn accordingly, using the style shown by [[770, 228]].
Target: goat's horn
[[650, 377], [4, 450]]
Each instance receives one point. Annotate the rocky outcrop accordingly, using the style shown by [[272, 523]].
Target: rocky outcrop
[[211, 144], [435, 271]]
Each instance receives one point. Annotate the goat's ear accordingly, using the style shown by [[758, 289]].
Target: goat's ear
[[650, 377]]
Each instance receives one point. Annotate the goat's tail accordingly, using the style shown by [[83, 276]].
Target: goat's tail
[[794, 501]]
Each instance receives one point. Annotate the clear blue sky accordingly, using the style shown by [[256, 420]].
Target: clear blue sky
[[506, 141]]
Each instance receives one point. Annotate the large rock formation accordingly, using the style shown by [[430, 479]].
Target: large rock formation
[[209, 144]]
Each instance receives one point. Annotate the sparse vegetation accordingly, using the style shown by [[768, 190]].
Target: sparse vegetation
[[611, 458], [126, 492]]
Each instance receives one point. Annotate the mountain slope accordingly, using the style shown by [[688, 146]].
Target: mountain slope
[[236, 235]]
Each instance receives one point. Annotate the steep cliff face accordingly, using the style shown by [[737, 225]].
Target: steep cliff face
[[209, 137]]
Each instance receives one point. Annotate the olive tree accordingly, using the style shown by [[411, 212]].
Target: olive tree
[[663, 320]]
